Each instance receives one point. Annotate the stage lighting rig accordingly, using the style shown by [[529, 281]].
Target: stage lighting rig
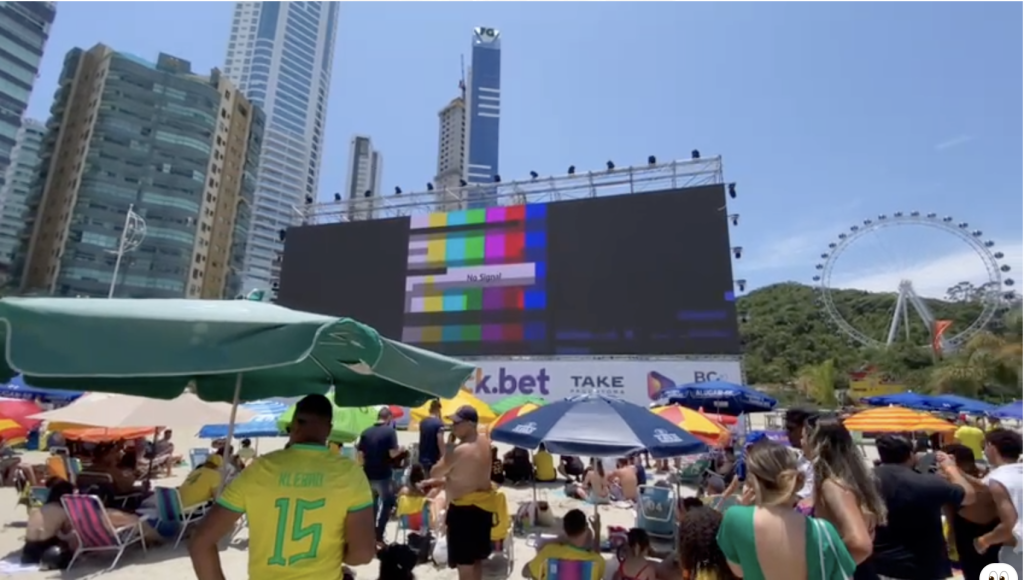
[[337, 196], [430, 186], [732, 190], [735, 219], [695, 154], [282, 234], [398, 190], [610, 165], [309, 200], [737, 252], [497, 179], [571, 170], [652, 160], [742, 285], [534, 175]]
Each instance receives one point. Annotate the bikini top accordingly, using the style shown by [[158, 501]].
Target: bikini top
[[624, 576]]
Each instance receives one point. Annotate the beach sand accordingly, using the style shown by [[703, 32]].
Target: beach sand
[[166, 563]]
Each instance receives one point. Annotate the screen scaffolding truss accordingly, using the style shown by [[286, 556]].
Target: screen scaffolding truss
[[627, 180]]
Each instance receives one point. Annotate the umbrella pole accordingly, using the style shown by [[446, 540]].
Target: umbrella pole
[[225, 466]]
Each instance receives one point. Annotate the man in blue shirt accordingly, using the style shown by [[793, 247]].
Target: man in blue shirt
[[431, 438], [378, 448]]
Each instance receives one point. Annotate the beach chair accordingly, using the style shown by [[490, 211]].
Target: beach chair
[[416, 522], [570, 570], [197, 457], [105, 480], [693, 473], [655, 511], [502, 541], [58, 467], [93, 530], [169, 509]]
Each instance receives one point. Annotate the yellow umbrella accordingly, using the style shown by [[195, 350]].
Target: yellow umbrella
[[896, 420], [449, 406], [695, 423]]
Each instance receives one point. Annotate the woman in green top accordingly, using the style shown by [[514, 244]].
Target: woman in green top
[[770, 540]]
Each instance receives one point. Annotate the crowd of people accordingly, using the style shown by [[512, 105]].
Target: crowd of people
[[813, 508]]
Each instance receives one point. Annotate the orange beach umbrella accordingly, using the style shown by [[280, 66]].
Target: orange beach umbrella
[[896, 419], [695, 423]]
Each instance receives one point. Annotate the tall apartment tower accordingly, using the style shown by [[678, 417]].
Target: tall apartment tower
[[24, 29], [451, 156], [365, 168], [178, 149], [280, 55], [17, 182], [483, 108]]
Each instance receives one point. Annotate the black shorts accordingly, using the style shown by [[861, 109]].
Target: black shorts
[[469, 535]]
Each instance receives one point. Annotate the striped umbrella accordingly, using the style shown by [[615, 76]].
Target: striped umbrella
[[12, 432], [695, 423], [513, 413], [896, 420]]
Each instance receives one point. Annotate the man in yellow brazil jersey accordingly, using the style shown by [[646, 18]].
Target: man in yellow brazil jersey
[[309, 510]]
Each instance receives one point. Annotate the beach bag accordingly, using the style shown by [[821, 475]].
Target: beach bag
[[440, 553], [827, 550]]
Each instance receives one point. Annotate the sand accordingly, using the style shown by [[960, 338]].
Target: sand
[[166, 563]]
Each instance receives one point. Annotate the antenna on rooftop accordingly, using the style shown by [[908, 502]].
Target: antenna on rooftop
[[462, 73]]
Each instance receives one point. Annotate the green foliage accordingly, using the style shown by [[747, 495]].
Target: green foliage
[[789, 340]]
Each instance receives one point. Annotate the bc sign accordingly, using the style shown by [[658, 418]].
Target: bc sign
[[485, 35]]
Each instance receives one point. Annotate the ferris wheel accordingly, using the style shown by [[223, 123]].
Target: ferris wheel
[[992, 290]]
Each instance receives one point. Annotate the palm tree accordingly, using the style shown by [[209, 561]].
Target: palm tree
[[819, 382], [987, 365]]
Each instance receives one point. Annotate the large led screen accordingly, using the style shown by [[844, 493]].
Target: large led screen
[[640, 274]]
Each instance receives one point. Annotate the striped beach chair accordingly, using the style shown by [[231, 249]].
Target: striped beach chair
[[169, 509], [569, 570], [95, 532]]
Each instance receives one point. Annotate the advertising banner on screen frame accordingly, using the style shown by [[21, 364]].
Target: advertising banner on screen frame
[[635, 381]]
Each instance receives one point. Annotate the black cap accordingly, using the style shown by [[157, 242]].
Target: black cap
[[465, 414], [316, 406]]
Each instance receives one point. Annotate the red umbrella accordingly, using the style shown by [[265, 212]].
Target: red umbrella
[[396, 411], [19, 410]]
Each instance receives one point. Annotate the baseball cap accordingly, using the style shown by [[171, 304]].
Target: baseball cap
[[465, 414]]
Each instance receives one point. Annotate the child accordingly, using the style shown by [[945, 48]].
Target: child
[[411, 499], [636, 565], [700, 558]]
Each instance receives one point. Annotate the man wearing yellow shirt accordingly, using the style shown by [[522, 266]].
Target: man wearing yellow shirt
[[202, 484], [309, 511], [971, 437], [544, 465], [579, 545]]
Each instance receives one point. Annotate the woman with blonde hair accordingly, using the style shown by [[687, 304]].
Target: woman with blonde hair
[[845, 492], [770, 539]]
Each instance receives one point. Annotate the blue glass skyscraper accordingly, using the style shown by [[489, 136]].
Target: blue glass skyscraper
[[483, 116]]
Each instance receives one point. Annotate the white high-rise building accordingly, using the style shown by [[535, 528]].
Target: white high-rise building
[[451, 155], [280, 56], [365, 167]]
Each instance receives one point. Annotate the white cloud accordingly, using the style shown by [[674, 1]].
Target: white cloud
[[954, 142], [932, 278]]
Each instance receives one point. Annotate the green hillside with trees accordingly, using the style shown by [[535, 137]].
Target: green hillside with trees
[[789, 341]]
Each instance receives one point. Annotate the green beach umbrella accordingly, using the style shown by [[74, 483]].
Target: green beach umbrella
[[509, 403], [348, 423], [228, 349]]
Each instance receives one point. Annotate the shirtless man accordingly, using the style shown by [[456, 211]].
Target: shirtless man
[[465, 474], [625, 476]]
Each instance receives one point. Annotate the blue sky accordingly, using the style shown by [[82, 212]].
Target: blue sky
[[825, 113]]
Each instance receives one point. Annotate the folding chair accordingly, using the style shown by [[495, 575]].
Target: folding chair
[[93, 529], [655, 511], [569, 570], [501, 535], [169, 509], [417, 522], [197, 457]]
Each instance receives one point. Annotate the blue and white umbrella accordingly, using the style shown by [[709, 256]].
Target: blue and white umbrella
[[19, 389], [264, 424], [1012, 410], [597, 426], [719, 397]]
